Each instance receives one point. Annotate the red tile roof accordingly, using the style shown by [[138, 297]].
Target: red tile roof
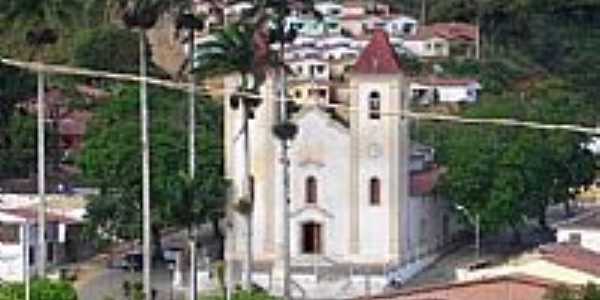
[[572, 257], [30, 214], [423, 182], [379, 57], [516, 286], [448, 31], [445, 81], [74, 123]]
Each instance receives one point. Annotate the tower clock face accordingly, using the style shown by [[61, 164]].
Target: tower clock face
[[375, 150]]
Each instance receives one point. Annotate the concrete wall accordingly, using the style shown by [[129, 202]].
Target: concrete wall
[[590, 239]]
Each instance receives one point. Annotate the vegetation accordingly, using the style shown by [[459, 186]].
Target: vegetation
[[107, 48], [508, 174], [110, 162], [40, 290], [246, 295], [588, 292]]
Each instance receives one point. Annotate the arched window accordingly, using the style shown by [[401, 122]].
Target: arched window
[[311, 190], [374, 105], [375, 191]]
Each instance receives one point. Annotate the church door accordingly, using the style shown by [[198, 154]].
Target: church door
[[311, 238]]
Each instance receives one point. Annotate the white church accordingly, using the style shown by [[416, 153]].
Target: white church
[[361, 192]]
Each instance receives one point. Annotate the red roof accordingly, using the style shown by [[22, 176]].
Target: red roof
[[449, 31], [445, 81], [74, 123], [30, 214], [379, 57], [572, 257], [423, 182]]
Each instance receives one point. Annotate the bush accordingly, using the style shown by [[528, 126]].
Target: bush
[[107, 48], [244, 295], [40, 290]]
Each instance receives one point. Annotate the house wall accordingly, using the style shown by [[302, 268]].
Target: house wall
[[590, 239], [11, 259]]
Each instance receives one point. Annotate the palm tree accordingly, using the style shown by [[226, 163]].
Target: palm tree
[[42, 21], [215, 57], [191, 23], [143, 15]]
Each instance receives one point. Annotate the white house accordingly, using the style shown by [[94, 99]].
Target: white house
[[435, 90], [401, 25], [329, 8], [583, 230], [354, 198], [13, 240]]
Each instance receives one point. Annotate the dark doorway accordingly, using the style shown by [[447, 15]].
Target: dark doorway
[[311, 238]]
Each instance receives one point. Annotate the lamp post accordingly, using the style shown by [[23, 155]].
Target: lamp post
[[475, 220]]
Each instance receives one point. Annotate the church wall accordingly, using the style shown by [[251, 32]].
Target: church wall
[[321, 149]]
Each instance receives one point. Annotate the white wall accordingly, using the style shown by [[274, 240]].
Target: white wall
[[590, 239], [11, 258], [321, 149]]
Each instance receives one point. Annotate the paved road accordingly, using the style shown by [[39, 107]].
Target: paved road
[[109, 283]]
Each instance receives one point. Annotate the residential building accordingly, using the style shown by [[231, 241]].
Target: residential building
[[360, 193], [442, 40], [435, 90], [62, 245], [583, 230], [565, 263]]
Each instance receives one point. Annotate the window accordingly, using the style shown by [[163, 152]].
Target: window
[[9, 233], [298, 94], [320, 69], [311, 190], [575, 238], [374, 105], [375, 191]]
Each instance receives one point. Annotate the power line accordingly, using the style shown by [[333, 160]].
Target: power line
[[183, 86]]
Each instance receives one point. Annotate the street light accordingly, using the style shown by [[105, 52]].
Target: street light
[[475, 220]]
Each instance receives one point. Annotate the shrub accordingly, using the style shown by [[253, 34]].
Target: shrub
[[40, 290]]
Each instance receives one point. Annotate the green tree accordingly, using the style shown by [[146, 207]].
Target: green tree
[[562, 292], [110, 161], [109, 48], [509, 174]]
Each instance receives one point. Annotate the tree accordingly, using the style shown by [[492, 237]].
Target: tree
[[108, 161], [562, 292], [109, 48], [18, 146], [509, 174], [215, 57]]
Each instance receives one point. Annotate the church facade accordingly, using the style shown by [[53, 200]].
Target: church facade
[[360, 191]]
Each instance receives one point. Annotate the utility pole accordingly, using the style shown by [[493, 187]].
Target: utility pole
[[147, 254], [41, 160], [477, 237], [192, 157], [247, 281], [423, 12], [286, 184]]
